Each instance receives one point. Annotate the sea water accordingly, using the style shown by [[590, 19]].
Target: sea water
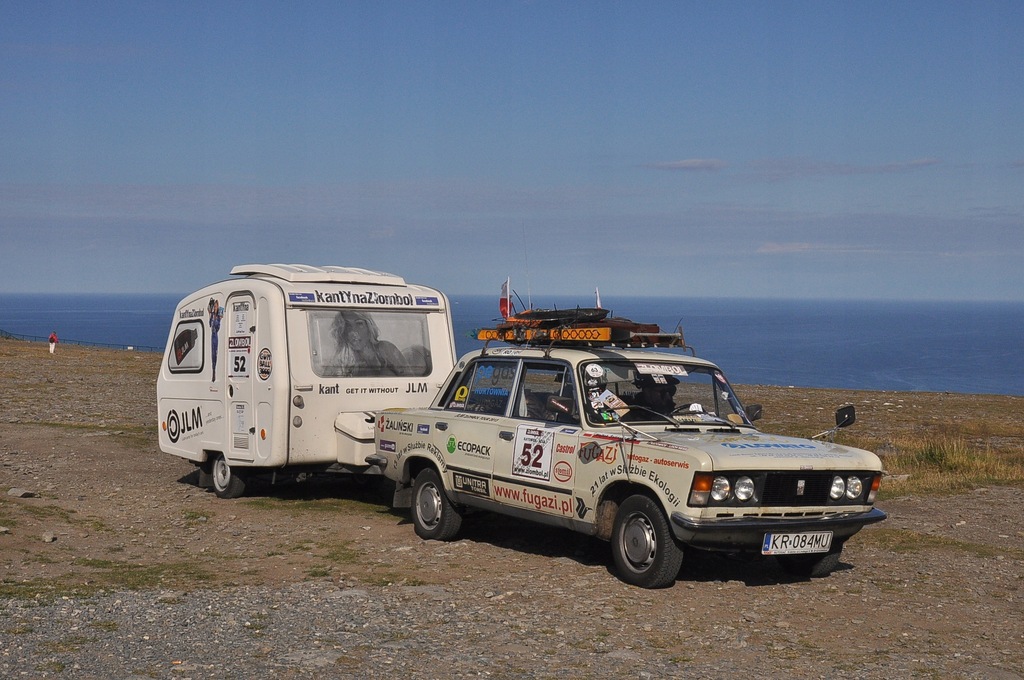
[[965, 347]]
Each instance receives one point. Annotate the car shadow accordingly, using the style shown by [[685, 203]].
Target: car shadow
[[699, 566], [530, 538], [509, 533]]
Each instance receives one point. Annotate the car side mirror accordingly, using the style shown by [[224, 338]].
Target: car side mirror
[[846, 415], [754, 412]]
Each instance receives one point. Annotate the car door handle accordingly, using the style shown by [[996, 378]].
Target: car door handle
[[441, 426], [506, 435]]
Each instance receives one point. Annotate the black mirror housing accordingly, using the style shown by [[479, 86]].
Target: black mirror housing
[[846, 416]]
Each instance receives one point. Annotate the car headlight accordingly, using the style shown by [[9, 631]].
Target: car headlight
[[720, 489], [744, 488], [854, 487], [838, 488]]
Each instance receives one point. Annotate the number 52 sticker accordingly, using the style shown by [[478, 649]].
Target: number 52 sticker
[[531, 455]]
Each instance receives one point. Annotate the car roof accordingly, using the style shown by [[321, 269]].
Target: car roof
[[575, 355]]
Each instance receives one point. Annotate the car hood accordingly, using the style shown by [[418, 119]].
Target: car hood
[[732, 451]]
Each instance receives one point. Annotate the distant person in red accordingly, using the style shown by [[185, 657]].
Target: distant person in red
[[53, 341]]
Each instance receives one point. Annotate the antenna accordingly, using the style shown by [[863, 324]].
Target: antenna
[[526, 263]]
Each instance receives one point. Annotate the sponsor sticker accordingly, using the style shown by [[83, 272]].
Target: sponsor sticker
[[663, 369], [531, 456], [471, 484], [469, 448], [265, 364]]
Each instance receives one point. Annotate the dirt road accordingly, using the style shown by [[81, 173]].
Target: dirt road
[[322, 578]]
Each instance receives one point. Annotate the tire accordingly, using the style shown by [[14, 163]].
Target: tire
[[433, 515], [810, 566], [226, 482], [643, 548]]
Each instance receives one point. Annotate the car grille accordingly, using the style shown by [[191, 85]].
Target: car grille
[[784, 489]]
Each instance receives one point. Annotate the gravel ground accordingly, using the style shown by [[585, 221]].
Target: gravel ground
[[114, 564]]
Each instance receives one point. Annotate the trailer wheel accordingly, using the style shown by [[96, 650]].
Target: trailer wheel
[[226, 482], [433, 515]]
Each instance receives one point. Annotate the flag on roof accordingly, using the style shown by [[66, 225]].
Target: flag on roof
[[505, 303]]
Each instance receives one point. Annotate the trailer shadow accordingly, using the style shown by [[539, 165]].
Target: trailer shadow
[[370, 489]]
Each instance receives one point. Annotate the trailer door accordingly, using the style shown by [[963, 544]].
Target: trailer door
[[241, 313]]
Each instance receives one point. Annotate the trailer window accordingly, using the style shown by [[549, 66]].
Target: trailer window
[[369, 343], [186, 355]]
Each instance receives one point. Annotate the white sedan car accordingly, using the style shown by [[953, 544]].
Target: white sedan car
[[650, 450]]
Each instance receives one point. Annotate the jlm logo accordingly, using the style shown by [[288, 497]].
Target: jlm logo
[[186, 421]]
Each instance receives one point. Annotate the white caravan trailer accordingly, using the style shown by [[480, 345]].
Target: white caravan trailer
[[283, 367]]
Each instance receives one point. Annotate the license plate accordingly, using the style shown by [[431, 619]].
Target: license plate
[[797, 544]]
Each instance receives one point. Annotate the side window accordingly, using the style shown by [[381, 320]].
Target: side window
[[369, 343], [539, 383], [485, 387], [186, 355]]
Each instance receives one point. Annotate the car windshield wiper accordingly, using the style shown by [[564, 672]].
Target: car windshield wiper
[[720, 424]]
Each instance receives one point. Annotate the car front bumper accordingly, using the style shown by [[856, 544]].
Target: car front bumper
[[747, 533]]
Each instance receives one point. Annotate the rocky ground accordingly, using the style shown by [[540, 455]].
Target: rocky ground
[[114, 564]]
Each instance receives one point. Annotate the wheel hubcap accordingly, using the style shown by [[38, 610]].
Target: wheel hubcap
[[221, 473], [428, 505], [639, 541]]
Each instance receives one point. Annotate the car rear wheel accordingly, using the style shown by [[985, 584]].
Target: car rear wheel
[[643, 548], [226, 482], [810, 566], [433, 515]]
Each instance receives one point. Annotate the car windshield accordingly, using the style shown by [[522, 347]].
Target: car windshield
[[651, 392]]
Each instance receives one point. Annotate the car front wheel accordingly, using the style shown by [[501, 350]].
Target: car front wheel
[[433, 515], [643, 548]]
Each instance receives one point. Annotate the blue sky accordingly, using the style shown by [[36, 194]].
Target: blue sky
[[713, 149]]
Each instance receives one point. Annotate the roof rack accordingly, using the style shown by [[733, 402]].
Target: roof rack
[[613, 331]]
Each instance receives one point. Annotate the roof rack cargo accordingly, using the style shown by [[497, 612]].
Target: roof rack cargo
[[554, 327]]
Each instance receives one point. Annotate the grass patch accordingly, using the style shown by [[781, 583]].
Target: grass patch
[[298, 506], [22, 629], [340, 553], [92, 575], [47, 512], [51, 667], [943, 464], [903, 541], [68, 645], [194, 519], [387, 578], [318, 572]]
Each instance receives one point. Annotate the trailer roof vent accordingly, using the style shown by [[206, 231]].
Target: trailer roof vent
[[308, 273]]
